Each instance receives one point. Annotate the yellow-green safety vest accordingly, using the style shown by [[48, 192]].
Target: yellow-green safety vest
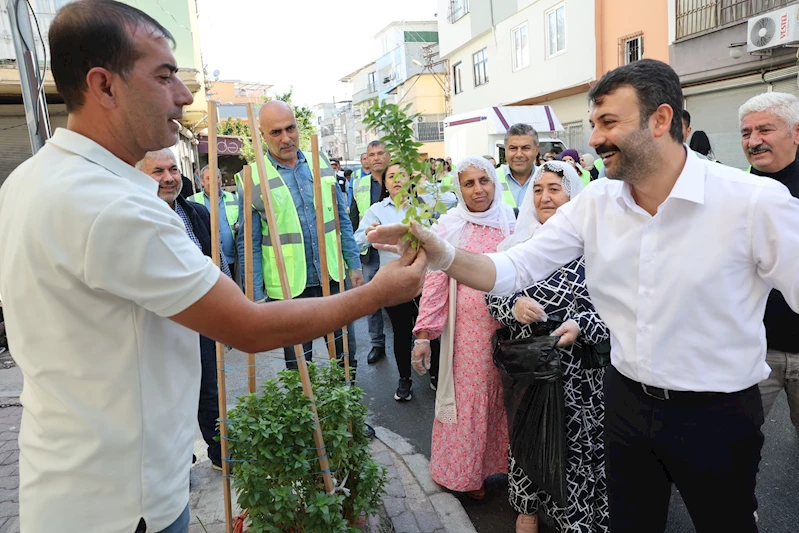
[[292, 240], [585, 176], [507, 195], [231, 207]]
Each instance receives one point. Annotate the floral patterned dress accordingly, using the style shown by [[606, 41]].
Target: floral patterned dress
[[564, 293], [464, 454]]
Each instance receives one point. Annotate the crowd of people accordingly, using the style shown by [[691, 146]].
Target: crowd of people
[[684, 266]]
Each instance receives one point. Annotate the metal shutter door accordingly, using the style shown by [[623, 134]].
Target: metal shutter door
[[15, 145], [787, 85], [716, 113]]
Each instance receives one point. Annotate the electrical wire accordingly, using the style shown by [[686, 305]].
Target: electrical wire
[[39, 74]]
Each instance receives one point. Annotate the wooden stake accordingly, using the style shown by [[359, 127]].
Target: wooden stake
[[307, 389], [248, 275], [344, 331], [320, 234], [220, 349]]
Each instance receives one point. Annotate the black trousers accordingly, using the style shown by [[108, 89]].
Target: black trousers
[[307, 348], [708, 445], [403, 319], [208, 410]]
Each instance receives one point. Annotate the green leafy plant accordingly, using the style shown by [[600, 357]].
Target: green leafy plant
[[274, 458], [396, 127]]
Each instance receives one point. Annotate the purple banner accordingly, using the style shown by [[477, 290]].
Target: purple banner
[[225, 145]]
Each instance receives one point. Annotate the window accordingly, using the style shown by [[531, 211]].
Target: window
[[556, 30], [458, 9], [372, 82], [521, 50], [457, 77], [480, 67], [574, 135], [631, 49]]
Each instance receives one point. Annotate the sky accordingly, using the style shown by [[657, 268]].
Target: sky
[[307, 44]]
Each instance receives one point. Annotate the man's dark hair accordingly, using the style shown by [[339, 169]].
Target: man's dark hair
[[655, 83], [557, 150], [334, 160], [95, 33], [348, 173], [686, 118]]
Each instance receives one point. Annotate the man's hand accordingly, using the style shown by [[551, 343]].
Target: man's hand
[[526, 310], [400, 281], [356, 277], [568, 332], [440, 253]]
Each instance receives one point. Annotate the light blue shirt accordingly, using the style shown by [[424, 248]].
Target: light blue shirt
[[299, 181], [227, 240], [517, 189]]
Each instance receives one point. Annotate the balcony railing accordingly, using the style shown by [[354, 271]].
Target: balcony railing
[[700, 16]]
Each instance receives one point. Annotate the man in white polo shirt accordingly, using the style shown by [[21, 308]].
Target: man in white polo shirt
[[681, 254], [102, 288]]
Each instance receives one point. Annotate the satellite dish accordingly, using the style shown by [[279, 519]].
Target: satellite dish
[[216, 74]]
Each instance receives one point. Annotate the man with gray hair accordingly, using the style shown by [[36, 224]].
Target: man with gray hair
[[163, 168], [769, 137], [521, 150]]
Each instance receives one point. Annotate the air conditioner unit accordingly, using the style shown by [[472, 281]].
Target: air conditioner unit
[[774, 29]]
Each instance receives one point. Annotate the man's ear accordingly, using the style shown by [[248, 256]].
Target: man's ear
[[101, 87]]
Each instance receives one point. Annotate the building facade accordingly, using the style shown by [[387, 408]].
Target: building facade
[[717, 81], [406, 71], [178, 16], [528, 52]]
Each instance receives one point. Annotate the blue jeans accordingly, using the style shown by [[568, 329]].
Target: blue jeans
[[181, 525], [376, 334]]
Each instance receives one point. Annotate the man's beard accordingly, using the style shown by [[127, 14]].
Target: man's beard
[[635, 158]]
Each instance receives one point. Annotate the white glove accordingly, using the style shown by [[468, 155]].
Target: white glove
[[526, 310], [440, 252], [420, 358]]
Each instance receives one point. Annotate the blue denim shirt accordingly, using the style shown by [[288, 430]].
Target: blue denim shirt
[[225, 231], [299, 181]]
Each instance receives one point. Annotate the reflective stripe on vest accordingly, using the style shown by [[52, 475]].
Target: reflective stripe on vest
[[507, 195], [362, 192], [292, 241], [231, 207]]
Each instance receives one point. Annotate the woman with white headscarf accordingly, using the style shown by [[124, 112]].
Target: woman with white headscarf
[[563, 294], [470, 432]]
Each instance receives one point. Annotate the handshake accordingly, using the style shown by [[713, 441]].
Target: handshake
[[440, 253]]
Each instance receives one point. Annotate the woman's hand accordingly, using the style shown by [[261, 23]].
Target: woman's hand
[[420, 358], [526, 310], [568, 333]]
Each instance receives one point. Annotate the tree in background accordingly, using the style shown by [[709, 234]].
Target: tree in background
[[241, 129]]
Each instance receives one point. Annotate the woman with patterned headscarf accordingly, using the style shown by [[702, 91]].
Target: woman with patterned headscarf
[[470, 432], [563, 294]]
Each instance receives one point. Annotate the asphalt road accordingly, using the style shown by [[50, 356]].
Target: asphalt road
[[778, 481]]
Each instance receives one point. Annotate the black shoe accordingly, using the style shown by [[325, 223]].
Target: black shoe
[[377, 353], [403, 393], [193, 458], [370, 431], [216, 465], [434, 382]]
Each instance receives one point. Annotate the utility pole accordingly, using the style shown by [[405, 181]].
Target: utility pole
[[29, 74], [429, 54]]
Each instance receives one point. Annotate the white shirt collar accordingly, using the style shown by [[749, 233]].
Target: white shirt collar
[[83, 146], [690, 185]]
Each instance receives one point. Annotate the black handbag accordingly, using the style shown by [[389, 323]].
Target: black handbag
[[595, 356]]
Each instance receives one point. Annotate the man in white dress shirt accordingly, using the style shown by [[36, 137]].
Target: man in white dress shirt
[[102, 288], [681, 254]]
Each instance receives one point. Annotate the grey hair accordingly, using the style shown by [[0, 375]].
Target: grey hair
[[522, 129], [208, 167], [163, 152], [375, 144], [784, 105]]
